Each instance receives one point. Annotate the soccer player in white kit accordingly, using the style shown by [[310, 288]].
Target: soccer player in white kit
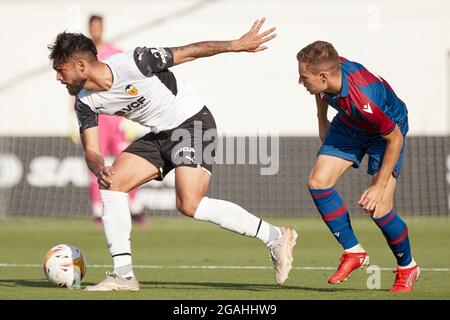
[[139, 86]]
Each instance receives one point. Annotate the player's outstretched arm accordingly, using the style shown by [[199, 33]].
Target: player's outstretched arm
[[250, 42]]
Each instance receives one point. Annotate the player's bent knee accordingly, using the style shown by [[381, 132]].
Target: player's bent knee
[[188, 207], [316, 182]]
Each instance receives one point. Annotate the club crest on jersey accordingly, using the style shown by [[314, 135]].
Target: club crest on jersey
[[132, 90]]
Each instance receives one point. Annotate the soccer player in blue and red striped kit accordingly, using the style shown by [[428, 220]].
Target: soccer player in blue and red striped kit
[[371, 120]]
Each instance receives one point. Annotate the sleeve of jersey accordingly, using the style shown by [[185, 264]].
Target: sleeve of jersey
[[86, 117], [153, 60]]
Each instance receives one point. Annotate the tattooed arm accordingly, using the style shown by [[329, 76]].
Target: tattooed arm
[[249, 42]]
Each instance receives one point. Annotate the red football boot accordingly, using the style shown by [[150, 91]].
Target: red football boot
[[349, 263], [405, 279]]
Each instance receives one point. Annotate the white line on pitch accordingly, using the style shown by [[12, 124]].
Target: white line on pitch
[[209, 267]]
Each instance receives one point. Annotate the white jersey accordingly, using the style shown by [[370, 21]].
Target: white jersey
[[143, 90]]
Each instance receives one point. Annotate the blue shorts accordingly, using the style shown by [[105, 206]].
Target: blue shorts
[[349, 144]]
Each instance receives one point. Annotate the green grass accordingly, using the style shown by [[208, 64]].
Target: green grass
[[172, 243]]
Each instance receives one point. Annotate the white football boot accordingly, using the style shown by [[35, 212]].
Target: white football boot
[[115, 282], [281, 254]]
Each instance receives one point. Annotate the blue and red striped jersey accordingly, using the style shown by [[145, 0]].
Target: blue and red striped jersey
[[367, 102]]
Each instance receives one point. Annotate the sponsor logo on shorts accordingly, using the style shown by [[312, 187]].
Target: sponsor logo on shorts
[[186, 153], [198, 146]]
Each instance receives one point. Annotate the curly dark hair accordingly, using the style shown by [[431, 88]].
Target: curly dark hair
[[67, 44]]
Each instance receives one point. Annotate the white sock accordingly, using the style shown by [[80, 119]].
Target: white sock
[[355, 249], [123, 265], [410, 265], [268, 233], [232, 217], [117, 225]]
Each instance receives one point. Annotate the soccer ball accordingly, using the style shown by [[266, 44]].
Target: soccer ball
[[65, 266]]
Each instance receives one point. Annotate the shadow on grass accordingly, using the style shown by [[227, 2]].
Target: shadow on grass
[[34, 283], [170, 285], [233, 286]]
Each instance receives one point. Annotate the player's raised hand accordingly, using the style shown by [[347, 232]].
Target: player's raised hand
[[253, 39]]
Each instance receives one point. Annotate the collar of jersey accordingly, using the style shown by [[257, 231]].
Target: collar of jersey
[[344, 88]]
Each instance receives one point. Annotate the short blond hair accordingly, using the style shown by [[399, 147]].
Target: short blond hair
[[320, 56]]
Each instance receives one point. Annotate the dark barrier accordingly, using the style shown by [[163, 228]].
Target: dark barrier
[[47, 176]]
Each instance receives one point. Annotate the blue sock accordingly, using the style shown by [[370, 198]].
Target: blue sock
[[396, 233], [335, 214]]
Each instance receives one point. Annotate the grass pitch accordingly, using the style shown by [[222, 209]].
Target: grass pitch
[[178, 258]]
